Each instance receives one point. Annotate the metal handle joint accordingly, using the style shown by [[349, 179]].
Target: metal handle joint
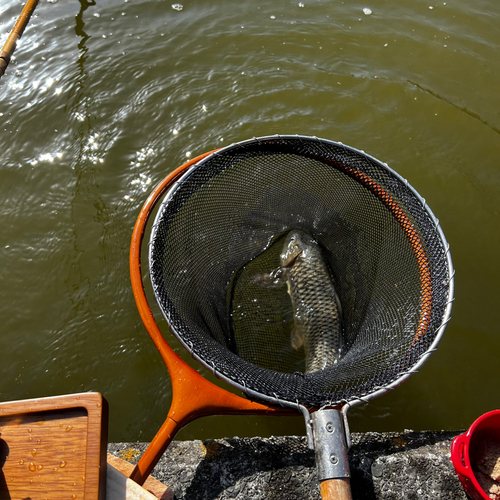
[[330, 444]]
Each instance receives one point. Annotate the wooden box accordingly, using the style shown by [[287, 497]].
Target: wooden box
[[54, 448]]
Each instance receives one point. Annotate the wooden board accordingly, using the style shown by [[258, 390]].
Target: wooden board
[[54, 448]]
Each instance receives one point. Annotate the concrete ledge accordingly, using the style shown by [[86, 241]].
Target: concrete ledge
[[407, 465]]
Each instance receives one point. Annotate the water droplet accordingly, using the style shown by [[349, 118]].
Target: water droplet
[[99, 405], [32, 467], [69, 428], [63, 463], [177, 6], [39, 441], [33, 452], [39, 467], [30, 439], [367, 11], [21, 462], [73, 496], [29, 430]]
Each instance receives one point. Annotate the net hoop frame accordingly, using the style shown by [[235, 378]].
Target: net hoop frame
[[184, 172], [208, 398]]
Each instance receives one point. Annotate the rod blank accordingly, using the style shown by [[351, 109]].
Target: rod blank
[[15, 34]]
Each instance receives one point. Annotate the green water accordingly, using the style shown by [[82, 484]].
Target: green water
[[105, 98]]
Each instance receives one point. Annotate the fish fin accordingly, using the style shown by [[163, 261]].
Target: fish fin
[[297, 338], [275, 279], [339, 305]]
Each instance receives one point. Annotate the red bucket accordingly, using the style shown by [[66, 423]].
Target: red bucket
[[464, 451]]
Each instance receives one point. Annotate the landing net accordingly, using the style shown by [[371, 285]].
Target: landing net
[[223, 223]]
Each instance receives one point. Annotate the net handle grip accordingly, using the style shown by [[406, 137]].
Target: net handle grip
[[336, 489]]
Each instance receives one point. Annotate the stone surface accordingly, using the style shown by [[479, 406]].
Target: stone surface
[[408, 465]]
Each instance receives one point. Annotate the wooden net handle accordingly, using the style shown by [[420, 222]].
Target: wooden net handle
[[336, 489]]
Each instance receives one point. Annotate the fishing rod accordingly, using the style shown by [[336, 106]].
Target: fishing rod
[[15, 34]]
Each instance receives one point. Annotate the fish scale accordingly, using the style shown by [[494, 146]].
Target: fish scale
[[315, 303]]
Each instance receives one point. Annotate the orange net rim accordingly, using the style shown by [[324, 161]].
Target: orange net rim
[[135, 257]]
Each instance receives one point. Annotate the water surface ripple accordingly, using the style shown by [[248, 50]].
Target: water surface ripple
[[103, 99]]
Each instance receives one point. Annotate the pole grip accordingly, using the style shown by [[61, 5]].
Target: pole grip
[[3, 64]]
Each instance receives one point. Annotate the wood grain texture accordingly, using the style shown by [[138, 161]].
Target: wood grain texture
[[336, 489], [54, 448]]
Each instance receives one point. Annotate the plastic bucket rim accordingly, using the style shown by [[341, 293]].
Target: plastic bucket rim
[[466, 455]]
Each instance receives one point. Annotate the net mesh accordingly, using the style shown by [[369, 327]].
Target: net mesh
[[224, 222]]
